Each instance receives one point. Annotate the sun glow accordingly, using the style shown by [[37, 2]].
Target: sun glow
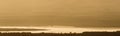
[[61, 29]]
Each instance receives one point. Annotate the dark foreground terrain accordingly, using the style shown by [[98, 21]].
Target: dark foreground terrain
[[63, 34]]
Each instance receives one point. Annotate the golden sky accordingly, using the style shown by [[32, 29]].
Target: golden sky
[[59, 12]]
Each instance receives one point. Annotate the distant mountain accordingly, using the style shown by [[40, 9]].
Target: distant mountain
[[21, 29]]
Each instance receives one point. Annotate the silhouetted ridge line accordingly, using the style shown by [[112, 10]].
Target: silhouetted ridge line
[[62, 34]]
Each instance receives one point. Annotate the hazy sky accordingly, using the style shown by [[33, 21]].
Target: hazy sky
[[60, 12]]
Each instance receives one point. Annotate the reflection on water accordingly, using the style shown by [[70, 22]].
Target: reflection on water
[[55, 29]]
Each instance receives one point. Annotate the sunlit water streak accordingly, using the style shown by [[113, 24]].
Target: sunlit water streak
[[63, 29]]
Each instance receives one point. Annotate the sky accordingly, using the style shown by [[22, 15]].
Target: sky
[[80, 13]]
